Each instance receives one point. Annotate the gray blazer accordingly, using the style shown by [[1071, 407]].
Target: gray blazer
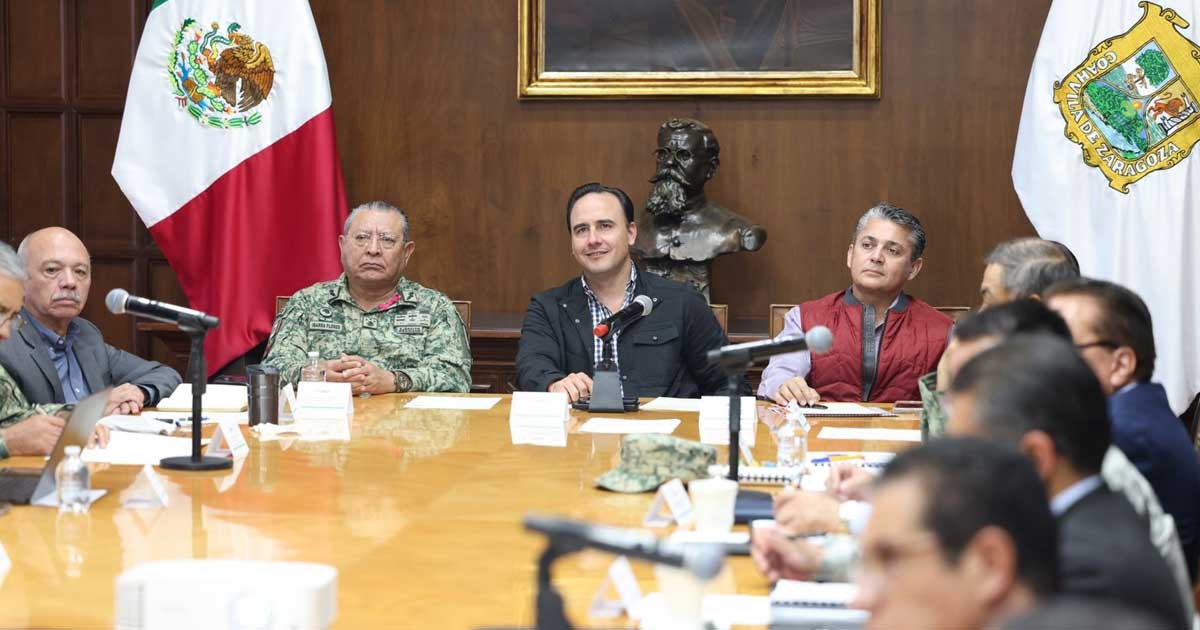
[[27, 359]]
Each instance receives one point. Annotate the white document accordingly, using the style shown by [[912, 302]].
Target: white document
[[184, 418], [138, 424], [147, 491], [622, 426], [714, 421], [452, 402], [855, 433], [662, 403], [138, 449], [216, 398], [228, 441], [321, 400], [539, 408], [845, 409]]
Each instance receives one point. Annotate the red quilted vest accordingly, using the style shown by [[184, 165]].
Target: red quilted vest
[[914, 337]]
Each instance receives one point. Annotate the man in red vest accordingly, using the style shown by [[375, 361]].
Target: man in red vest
[[883, 338]]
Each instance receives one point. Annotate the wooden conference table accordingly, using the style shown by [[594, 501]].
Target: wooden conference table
[[420, 512]]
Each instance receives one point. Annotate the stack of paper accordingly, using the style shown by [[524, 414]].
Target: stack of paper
[[539, 418], [821, 604], [714, 420], [216, 398]]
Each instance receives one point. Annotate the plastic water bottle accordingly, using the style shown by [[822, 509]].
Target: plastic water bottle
[[73, 482], [791, 441], [313, 371]]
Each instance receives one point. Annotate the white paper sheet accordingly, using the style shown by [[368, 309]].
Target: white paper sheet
[[854, 433], [452, 402], [845, 409], [138, 449], [622, 426], [539, 435], [138, 424], [663, 403], [184, 418]]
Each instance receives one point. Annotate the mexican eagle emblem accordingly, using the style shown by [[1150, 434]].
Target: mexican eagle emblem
[[220, 76]]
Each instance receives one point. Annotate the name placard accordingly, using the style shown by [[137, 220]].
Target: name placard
[[323, 400]]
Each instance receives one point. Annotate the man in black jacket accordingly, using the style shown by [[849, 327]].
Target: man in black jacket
[[1036, 393], [661, 354]]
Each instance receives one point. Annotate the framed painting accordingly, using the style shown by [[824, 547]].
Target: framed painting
[[656, 48]]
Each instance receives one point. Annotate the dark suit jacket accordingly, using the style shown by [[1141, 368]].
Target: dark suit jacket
[[1151, 436], [662, 354], [27, 359], [1105, 552]]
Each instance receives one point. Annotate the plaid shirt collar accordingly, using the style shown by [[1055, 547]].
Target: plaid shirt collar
[[601, 312]]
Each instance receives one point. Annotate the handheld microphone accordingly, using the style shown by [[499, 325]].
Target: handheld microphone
[[119, 302], [818, 340], [702, 560], [639, 307]]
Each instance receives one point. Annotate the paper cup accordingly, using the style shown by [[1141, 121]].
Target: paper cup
[[712, 501]]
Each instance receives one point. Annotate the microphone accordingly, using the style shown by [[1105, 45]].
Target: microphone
[[119, 302], [639, 307], [702, 560], [818, 340]]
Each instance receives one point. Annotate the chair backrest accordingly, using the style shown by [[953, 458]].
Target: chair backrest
[[464, 311], [778, 311], [281, 303], [721, 312], [1191, 420]]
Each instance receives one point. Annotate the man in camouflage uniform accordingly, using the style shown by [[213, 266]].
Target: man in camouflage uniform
[[24, 429], [373, 327]]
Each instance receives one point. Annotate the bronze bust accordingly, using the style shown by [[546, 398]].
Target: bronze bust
[[681, 231]]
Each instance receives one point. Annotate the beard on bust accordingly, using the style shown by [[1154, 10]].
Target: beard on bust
[[668, 196]]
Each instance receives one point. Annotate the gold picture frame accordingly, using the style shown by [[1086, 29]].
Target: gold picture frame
[[534, 81]]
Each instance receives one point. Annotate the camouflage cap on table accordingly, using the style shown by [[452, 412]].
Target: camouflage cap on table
[[652, 459]]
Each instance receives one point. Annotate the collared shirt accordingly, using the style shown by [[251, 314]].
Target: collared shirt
[[600, 313], [1073, 493], [785, 366], [62, 354]]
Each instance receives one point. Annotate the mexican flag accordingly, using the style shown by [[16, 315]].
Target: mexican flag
[[227, 153], [1104, 159]]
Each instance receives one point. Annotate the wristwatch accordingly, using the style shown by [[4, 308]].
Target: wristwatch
[[403, 382]]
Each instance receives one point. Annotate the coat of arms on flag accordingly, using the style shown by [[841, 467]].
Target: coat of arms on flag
[[217, 75], [1131, 104]]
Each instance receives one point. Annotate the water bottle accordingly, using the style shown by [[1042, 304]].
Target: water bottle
[[785, 444], [313, 371], [73, 482]]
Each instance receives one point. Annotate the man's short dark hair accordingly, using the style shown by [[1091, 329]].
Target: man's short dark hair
[[1012, 318], [1039, 382], [1033, 277], [970, 484], [899, 216], [1123, 318], [594, 187]]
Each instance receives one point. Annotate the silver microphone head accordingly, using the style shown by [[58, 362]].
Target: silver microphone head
[[646, 302], [115, 301], [819, 339], [703, 560]]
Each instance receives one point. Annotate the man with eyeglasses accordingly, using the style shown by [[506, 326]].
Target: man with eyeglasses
[[372, 327], [25, 429], [1113, 331], [58, 356], [961, 537]]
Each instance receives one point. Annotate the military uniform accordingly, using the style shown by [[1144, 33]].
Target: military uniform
[[14, 407], [419, 334]]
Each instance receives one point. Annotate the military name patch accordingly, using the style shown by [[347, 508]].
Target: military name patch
[[329, 326], [220, 76], [412, 319], [1131, 105]]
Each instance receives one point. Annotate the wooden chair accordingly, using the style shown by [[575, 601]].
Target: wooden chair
[[1191, 420], [464, 311], [721, 312], [778, 311]]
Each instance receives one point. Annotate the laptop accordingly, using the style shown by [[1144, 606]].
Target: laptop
[[25, 486]]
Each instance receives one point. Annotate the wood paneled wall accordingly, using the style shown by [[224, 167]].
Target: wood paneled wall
[[427, 117]]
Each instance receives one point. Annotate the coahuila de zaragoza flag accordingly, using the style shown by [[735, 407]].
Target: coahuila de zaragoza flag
[[227, 152], [1104, 159]]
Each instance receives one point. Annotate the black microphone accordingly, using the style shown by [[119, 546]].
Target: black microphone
[[639, 307], [818, 340], [702, 560], [119, 302]]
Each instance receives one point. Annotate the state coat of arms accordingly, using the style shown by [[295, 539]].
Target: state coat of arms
[[220, 76], [1131, 105]]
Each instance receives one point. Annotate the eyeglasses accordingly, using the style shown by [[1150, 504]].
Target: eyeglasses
[[13, 317], [386, 241], [679, 155], [1103, 343]]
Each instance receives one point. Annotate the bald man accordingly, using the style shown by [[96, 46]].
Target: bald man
[[59, 357]]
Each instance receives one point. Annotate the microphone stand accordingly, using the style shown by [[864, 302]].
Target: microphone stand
[[197, 373], [606, 380], [550, 612]]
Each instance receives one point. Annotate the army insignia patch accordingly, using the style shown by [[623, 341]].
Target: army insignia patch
[[219, 77], [1131, 105]]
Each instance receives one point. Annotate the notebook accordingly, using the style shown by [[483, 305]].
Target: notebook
[[872, 460], [760, 475], [815, 604]]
